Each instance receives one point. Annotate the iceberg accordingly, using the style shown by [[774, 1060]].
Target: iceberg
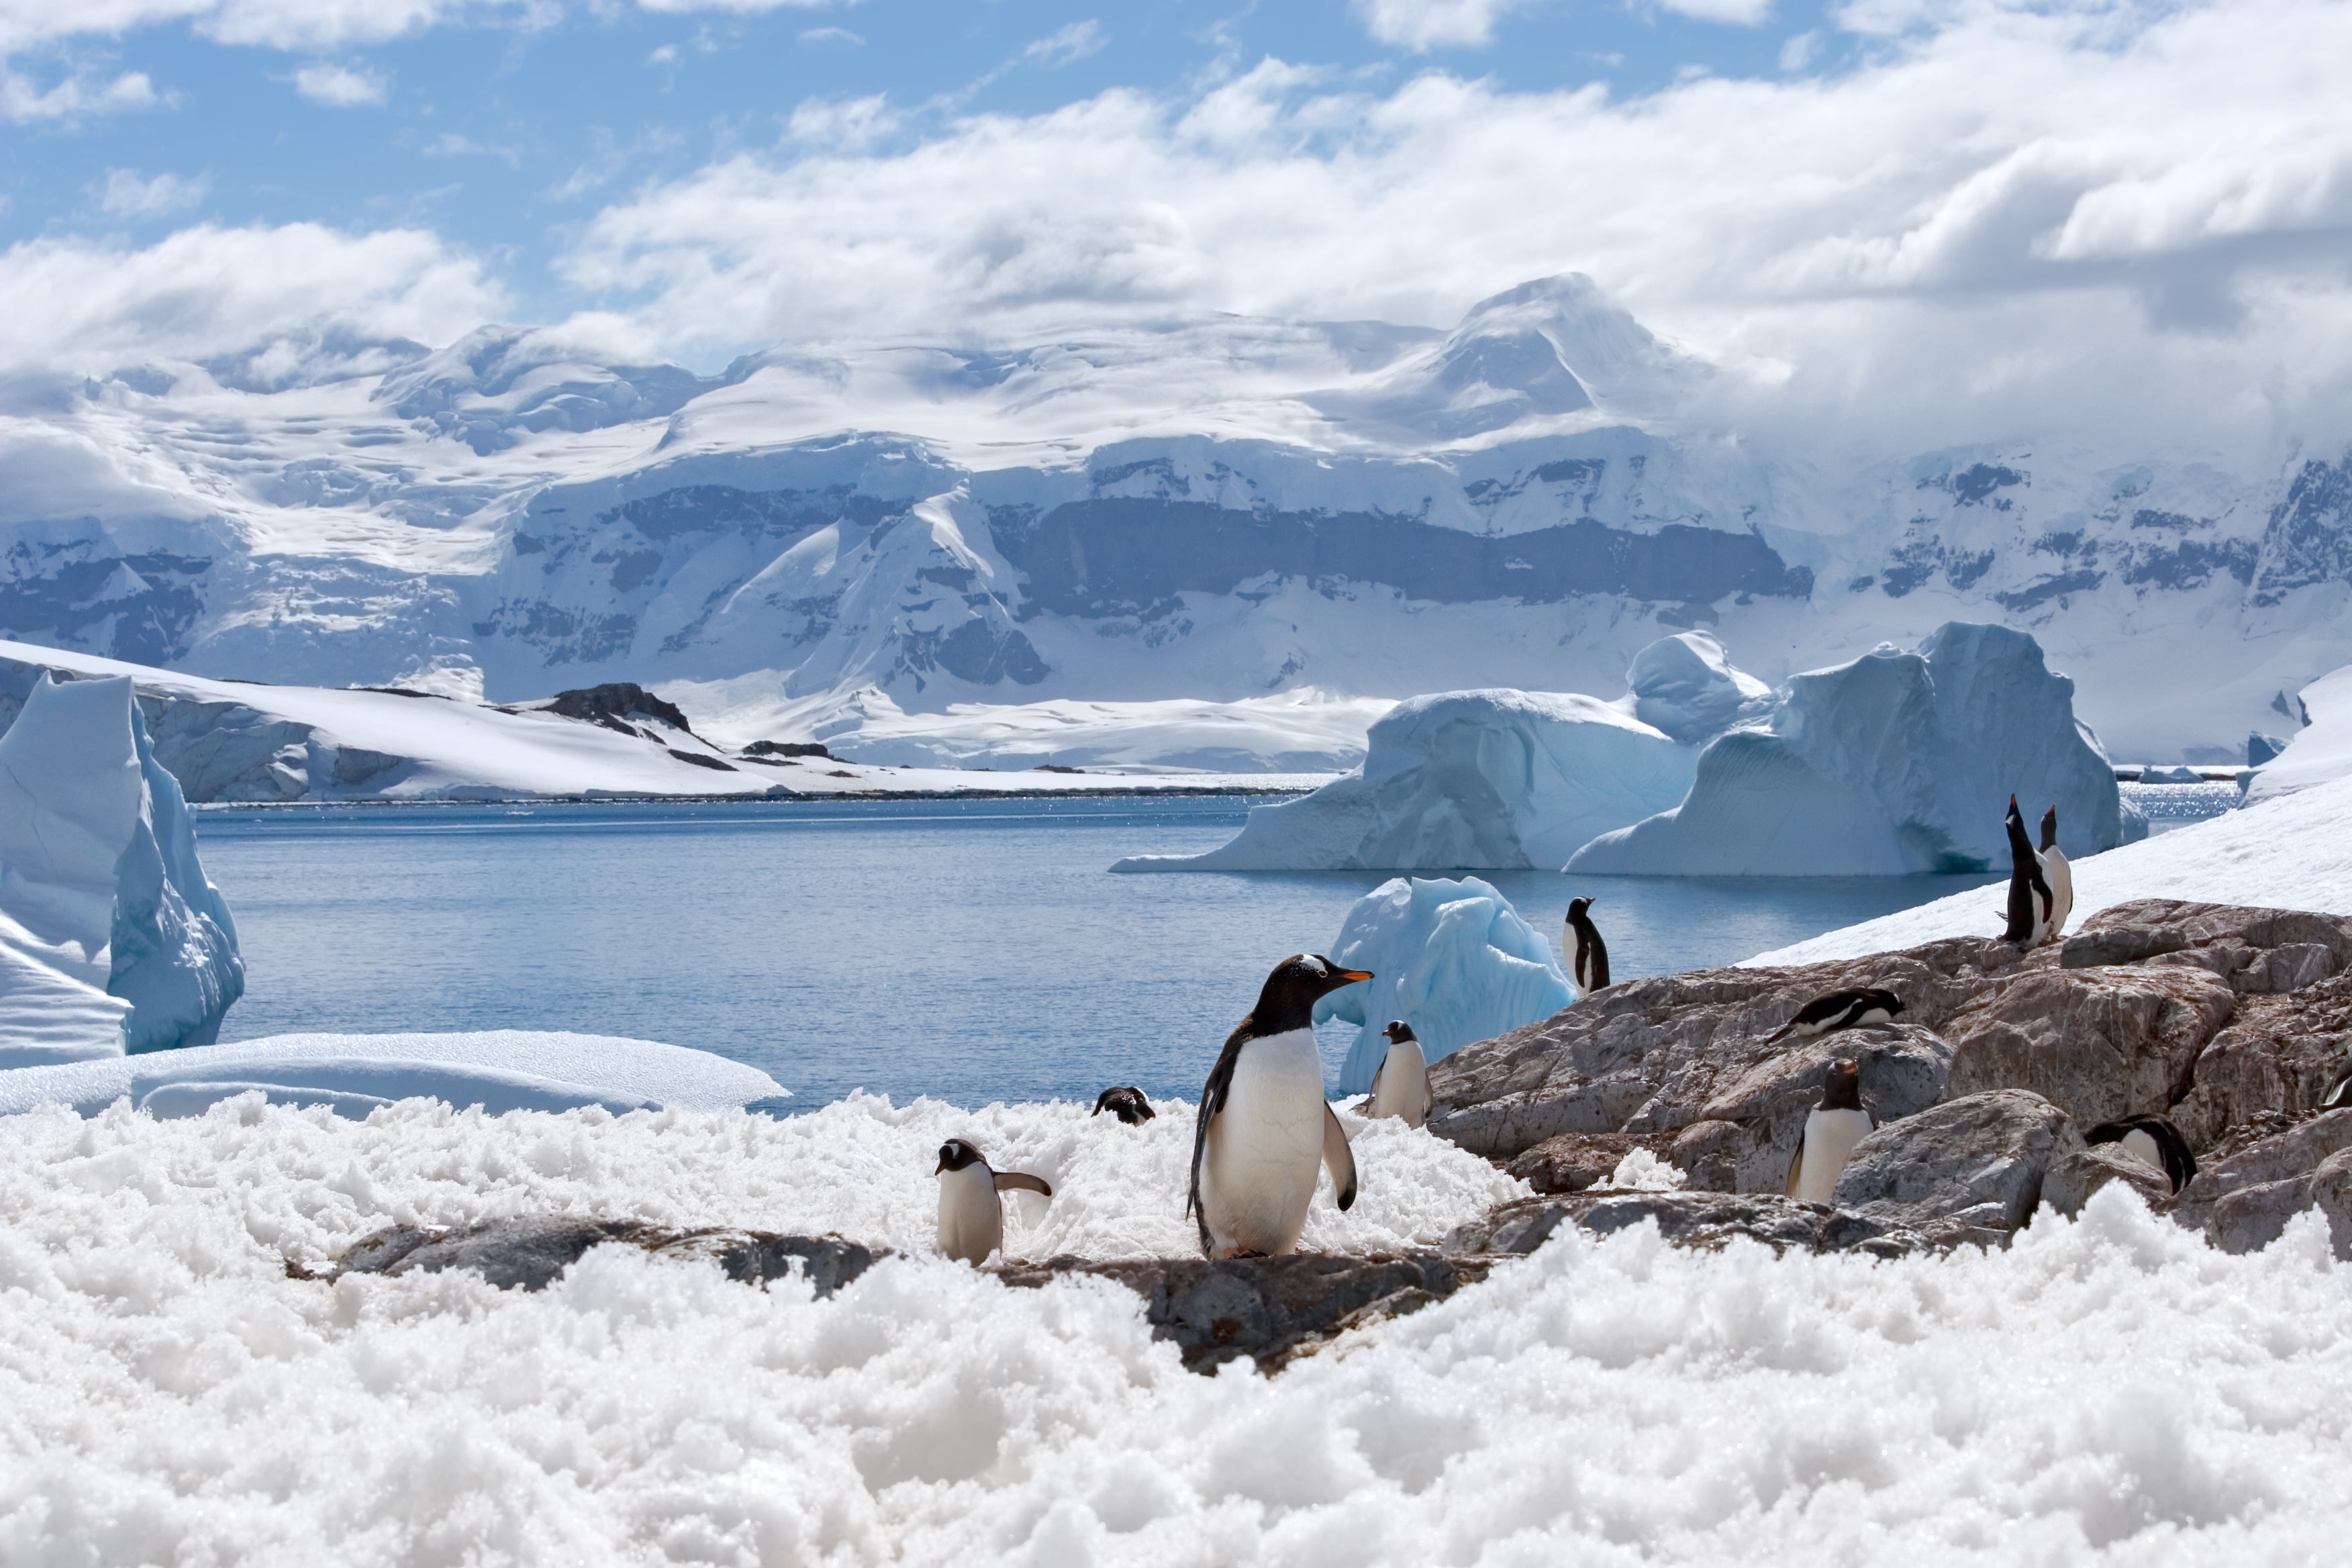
[[1479, 780], [1893, 763], [1451, 958], [1686, 685], [112, 937]]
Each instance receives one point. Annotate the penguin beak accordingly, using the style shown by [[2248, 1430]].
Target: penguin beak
[[1350, 976]]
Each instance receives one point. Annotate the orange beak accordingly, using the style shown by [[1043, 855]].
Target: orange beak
[[1350, 976]]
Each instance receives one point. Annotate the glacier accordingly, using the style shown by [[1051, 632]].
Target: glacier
[[1452, 958], [2321, 750], [1891, 764], [114, 939]]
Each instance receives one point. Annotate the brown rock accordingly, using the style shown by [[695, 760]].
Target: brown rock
[[2280, 1053], [2243, 1196], [1705, 1220], [1980, 1159], [1575, 1160], [2098, 1043]]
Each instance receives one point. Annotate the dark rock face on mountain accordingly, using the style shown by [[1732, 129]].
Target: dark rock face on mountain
[[2231, 1022], [615, 704]]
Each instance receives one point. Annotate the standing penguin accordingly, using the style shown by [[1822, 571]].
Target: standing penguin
[[1832, 1129], [1264, 1123], [2028, 890], [2058, 874], [971, 1220], [1588, 955], [1401, 1086]]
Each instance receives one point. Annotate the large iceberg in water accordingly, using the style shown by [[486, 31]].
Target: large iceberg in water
[[1893, 763], [110, 936], [1686, 685], [1451, 958], [1495, 779]]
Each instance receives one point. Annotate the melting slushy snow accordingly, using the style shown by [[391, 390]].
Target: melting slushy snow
[[2108, 1390]]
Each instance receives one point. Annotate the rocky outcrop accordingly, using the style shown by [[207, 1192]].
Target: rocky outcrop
[[1980, 1159], [1707, 1221]]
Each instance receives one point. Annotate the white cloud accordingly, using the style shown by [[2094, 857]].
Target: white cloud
[[1739, 13], [1801, 51], [1066, 45], [1431, 23], [302, 25], [851, 124], [831, 36], [339, 87], [125, 194], [2033, 215], [78, 97], [738, 8]]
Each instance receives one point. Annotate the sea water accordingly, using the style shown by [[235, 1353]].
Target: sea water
[[975, 951]]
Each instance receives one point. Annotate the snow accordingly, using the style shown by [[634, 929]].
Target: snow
[[1687, 686], [1893, 764], [1465, 780], [500, 1069], [1302, 731], [2321, 749], [1451, 958], [172, 1396], [2291, 852], [110, 936]]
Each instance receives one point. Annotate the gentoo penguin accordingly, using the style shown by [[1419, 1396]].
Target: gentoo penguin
[[1401, 1086], [2058, 874], [1588, 955], [2028, 890], [1126, 1103], [2153, 1140], [1263, 1122], [1832, 1129], [1840, 1010], [2340, 1097], [972, 1221]]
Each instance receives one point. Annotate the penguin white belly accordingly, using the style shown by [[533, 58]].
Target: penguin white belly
[[971, 1220], [1402, 1087], [2061, 877], [2140, 1145], [1264, 1147], [1829, 1138]]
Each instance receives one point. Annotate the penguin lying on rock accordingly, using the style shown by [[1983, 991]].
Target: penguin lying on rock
[[1832, 1129], [1588, 955], [1839, 1010], [1401, 1086], [1127, 1103], [1264, 1125], [2153, 1140], [971, 1219]]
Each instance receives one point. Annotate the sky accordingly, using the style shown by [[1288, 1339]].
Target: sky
[[1871, 210]]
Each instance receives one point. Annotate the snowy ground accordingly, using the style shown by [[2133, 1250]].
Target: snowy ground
[[2107, 1391]]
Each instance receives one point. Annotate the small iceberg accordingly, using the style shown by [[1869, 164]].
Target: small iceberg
[[1451, 958]]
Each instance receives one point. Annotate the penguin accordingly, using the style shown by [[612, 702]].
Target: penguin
[[1588, 955], [1839, 1010], [2153, 1140], [1262, 1123], [1127, 1103], [2059, 876], [2340, 1097], [1832, 1129], [1401, 1086], [971, 1220], [2028, 890]]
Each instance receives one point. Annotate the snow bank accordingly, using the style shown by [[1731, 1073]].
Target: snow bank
[[1452, 959], [110, 936], [2319, 752], [174, 1397], [498, 1070], [2294, 852], [1464, 779], [1893, 763]]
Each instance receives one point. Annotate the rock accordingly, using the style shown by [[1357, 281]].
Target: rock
[[787, 749], [1982, 1152], [1703, 1220], [2098, 1044], [532, 1252], [2076, 1172], [2242, 1197], [2280, 1053], [613, 704], [1574, 1161]]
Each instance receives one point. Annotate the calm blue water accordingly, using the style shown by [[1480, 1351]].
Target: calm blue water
[[977, 951]]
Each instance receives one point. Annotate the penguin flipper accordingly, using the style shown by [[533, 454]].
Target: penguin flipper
[[1338, 1159], [1212, 1100], [1797, 1166], [1009, 1181]]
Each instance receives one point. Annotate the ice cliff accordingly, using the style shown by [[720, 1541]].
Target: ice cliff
[[1451, 958], [110, 937], [2321, 750], [1894, 763]]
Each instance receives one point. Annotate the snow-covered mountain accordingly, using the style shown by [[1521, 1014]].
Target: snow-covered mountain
[[1216, 509]]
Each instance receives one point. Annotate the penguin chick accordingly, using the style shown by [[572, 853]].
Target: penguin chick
[[971, 1219], [1401, 1086], [1588, 955], [1262, 1124], [1832, 1129], [1839, 1010], [2029, 887], [1127, 1103], [2058, 874], [2152, 1139]]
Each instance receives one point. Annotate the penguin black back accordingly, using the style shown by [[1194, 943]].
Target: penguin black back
[[2029, 892], [1589, 960], [2171, 1147], [2050, 829], [1127, 1103], [1840, 1010]]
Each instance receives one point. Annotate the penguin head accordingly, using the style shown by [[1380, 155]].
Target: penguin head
[[1399, 1031], [1841, 1086], [955, 1154], [2050, 828], [1288, 1000], [1577, 908]]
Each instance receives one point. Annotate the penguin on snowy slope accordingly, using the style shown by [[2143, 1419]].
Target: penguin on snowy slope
[[2058, 874], [971, 1219], [2029, 888], [1832, 1129], [1588, 955], [1401, 1086], [1264, 1125], [1127, 1103]]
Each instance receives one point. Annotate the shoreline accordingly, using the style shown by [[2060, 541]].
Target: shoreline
[[782, 797]]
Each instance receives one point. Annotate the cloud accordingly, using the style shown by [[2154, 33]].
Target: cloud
[[2134, 205], [1066, 45], [738, 8], [850, 124], [831, 36], [79, 97], [1739, 13], [126, 195], [291, 25], [1427, 24], [338, 87]]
